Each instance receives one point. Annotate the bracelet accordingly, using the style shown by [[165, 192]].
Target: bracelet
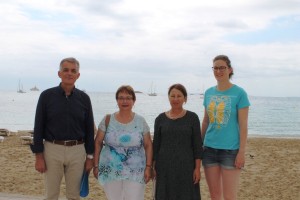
[[149, 166]]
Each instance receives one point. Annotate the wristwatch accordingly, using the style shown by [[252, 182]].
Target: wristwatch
[[90, 156]]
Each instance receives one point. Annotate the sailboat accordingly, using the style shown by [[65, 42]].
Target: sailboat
[[152, 91], [34, 89], [20, 88]]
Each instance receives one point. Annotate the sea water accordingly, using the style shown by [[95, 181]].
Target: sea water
[[268, 116]]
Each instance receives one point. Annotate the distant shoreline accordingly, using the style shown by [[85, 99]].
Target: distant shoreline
[[139, 91], [274, 136]]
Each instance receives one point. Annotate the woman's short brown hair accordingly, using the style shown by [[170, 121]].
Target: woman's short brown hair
[[179, 87], [127, 89]]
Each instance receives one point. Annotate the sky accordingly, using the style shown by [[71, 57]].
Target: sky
[[152, 42]]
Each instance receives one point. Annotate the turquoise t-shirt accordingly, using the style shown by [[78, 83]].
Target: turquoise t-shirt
[[123, 156], [222, 109]]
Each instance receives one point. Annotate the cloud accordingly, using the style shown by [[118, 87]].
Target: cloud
[[139, 42], [284, 30]]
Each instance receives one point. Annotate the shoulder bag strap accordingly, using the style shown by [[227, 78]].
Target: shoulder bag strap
[[107, 118]]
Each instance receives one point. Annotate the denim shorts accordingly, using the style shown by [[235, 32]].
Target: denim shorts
[[219, 157]]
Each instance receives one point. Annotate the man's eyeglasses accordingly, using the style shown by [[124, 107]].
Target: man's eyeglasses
[[221, 68], [125, 98]]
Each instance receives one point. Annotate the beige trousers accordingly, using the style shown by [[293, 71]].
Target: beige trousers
[[63, 161]]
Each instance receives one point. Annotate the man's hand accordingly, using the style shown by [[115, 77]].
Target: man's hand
[[89, 164], [40, 164]]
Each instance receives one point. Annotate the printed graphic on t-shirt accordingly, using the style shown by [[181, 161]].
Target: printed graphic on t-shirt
[[219, 109]]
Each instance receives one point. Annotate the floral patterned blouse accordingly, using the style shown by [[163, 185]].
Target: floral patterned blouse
[[123, 156]]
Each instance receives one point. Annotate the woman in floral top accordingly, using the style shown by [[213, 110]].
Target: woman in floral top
[[124, 165]]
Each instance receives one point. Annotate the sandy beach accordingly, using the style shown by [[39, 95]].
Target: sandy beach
[[272, 171]]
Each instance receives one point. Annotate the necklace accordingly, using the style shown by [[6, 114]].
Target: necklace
[[176, 116]]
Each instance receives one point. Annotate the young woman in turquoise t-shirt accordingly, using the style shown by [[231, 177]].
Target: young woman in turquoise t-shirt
[[224, 129]]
